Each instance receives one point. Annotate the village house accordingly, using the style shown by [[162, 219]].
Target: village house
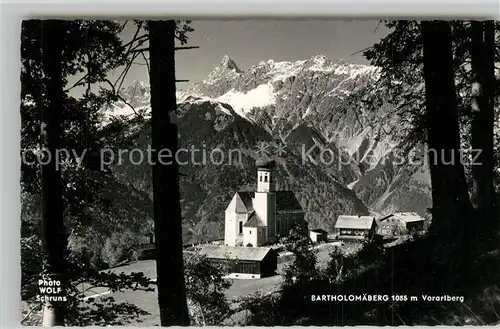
[[355, 227], [400, 223], [256, 218], [244, 263]]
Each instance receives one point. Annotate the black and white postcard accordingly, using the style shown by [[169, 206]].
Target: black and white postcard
[[260, 172]]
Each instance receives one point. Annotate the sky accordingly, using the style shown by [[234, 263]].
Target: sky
[[248, 42]]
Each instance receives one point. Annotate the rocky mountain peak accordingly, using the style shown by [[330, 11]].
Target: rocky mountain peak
[[320, 58], [137, 93], [228, 63]]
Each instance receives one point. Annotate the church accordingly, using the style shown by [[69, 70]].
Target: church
[[257, 218]]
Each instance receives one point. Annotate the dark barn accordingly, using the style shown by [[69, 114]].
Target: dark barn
[[244, 262]]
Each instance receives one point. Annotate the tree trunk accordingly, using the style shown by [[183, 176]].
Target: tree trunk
[[483, 116], [450, 200], [54, 239], [166, 199]]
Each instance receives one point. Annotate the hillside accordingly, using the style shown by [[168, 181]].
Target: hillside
[[331, 153]]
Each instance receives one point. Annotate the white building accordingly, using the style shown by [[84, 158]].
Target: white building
[[318, 235], [257, 218]]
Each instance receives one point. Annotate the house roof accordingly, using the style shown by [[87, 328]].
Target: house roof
[[285, 201], [355, 222], [319, 231], [241, 253], [254, 221], [408, 217]]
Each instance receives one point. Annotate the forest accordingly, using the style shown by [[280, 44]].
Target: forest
[[78, 217]]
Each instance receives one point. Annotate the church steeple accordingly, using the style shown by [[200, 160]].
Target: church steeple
[[264, 202], [264, 176]]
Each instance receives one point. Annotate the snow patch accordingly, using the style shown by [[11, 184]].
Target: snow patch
[[308, 111], [351, 185], [242, 103], [352, 143], [221, 108]]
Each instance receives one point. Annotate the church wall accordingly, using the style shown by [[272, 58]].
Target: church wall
[[230, 228], [285, 221], [271, 217], [256, 236], [261, 236], [250, 236], [265, 207], [233, 225], [239, 229]]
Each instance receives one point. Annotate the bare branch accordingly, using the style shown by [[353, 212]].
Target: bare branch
[[120, 97], [31, 311], [123, 75], [77, 83], [182, 80], [140, 50], [186, 47], [135, 36], [146, 61], [129, 51], [124, 24], [142, 38], [361, 50]]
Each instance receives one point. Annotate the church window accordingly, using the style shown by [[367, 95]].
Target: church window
[[265, 178], [240, 229], [250, 231], [260, 178]]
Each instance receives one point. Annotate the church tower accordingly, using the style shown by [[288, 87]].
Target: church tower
[[265, 198], [264, 178]]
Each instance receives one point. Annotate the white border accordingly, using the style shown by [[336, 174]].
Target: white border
[[257, 8], [12, 12]]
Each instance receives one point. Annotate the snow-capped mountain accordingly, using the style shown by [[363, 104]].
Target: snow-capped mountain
[[300, 86], [282, 95], [337, 157]]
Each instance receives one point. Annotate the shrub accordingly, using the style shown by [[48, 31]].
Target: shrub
[[303, 267], [205, 287]]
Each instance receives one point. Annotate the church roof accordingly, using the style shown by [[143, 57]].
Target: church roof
[[265, 163], [240, 253], [285, 201], [254, 221], [244, 202], [354, 222]]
